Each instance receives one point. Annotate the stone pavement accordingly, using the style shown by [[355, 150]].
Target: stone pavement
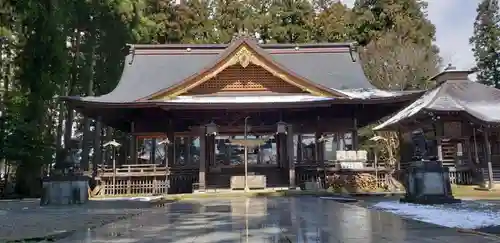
[[25, 219], [261, 220]]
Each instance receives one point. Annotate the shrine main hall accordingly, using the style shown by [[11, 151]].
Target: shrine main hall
[[233, 116]]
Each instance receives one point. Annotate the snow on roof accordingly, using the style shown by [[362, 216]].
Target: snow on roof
[[410, 110]]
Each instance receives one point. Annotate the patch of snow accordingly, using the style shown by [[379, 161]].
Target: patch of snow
[[372, 93], [459, 216], [487, 112], [368, 93], [247, 99]]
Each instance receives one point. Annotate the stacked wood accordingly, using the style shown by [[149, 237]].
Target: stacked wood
[[393, 185], [363, 182]]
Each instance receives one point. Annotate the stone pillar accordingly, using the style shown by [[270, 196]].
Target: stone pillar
[[290, 156], [203, 162]]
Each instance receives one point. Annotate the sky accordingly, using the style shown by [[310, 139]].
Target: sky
[[454, 20]]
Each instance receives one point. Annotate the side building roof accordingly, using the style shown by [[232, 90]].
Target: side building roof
[[454, 93]]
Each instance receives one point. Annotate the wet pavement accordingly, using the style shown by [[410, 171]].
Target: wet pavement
[[261, 220], [25, 219]]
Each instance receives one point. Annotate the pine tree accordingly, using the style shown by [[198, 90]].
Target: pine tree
[[486, 42]]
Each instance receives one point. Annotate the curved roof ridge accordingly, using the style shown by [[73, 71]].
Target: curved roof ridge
[[224, 46], [229, 51]]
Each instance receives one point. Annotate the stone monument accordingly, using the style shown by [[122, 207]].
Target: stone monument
[[427, 181], [66, 185]]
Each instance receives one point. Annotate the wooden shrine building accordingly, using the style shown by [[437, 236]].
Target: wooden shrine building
[[241, 115], [464, 118]]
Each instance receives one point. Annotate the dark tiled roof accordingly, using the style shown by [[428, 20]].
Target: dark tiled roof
[[150, 68], [478, 101]]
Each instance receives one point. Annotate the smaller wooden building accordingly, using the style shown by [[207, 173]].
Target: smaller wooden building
[[464, 118]]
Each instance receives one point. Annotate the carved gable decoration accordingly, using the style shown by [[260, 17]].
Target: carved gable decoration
[[243, 69], [244, 77]]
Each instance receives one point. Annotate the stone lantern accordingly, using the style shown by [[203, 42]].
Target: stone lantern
[[427, 181], [281, 127]]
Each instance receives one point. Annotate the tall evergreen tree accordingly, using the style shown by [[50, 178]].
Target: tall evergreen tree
[[390, 30], [332, 22], [407, 18], [486, 43], [292, 21], [229, 19], [260, 19]]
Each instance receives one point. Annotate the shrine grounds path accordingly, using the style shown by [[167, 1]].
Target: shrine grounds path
[[261, 220]]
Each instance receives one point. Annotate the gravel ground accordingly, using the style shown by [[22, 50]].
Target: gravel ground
[[26, 220]]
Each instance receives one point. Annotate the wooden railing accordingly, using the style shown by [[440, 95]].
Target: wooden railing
[[134, 179], [136, 170]]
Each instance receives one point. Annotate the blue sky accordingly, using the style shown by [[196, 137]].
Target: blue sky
[[454, 21]]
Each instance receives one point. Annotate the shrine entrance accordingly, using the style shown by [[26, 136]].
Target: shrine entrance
[[227, 162]]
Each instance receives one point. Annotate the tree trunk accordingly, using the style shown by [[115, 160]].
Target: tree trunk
[[86, 127], [73, 80]]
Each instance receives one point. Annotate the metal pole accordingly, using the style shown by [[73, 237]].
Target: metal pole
[[245, 157], [375, 161], [247, 206], [114, 171]]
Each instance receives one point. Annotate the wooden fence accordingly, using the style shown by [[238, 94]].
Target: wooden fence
[[134, 179]]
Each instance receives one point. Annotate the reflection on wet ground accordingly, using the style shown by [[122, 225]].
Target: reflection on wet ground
[[261, 220]]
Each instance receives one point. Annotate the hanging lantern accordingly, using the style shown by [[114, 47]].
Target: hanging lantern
[[211, 129], [281, 128]]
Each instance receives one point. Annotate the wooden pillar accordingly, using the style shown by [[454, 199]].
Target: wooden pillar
[[439, 133], [488, 157], [320, 157], [290, 156], [300, 153], [97, 157], [133, 145], [355, 140], [281, 156], [318, 148], [203, 161], [152, 159], [210, 152], [170, 145], [187, 149]]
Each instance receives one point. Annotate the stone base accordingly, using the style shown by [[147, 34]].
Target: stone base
[[486, 185], [430, 199], [65, 190]]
